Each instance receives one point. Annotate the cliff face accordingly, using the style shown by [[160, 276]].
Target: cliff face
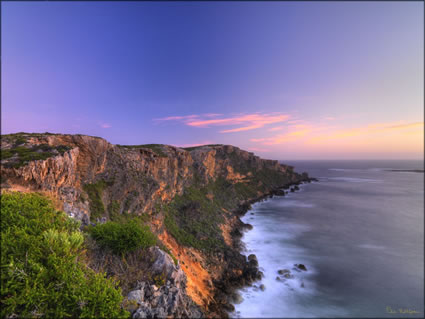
[[181, 192]]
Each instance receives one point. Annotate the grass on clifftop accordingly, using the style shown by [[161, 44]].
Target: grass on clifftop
[[20, 155], [41, 273]]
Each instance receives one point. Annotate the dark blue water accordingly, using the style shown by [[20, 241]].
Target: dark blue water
[[360, 233]]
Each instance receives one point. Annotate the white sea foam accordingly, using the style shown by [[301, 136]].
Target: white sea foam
[[339, 261], [343, 169], [266, 240], [294, 203], [355, 179], [374, 169]]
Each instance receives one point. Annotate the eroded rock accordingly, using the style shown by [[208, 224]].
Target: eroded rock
[[167, 300]]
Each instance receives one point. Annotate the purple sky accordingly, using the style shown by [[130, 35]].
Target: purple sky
[[287, 80]]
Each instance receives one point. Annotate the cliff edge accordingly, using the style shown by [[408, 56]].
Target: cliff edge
[[191, 198]]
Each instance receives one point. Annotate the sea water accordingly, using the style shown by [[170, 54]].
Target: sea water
[[359, 231]]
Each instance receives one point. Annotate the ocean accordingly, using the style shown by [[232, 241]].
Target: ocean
[[359, 231]]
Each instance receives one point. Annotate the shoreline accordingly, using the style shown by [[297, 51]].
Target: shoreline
[[249, 272]]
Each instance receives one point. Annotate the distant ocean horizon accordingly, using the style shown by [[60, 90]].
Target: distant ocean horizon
[[359, 231]]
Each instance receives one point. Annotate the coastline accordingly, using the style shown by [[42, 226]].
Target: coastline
[[248, 272]]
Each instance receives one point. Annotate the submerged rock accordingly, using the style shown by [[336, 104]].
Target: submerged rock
[[236, 298], [283, 271], [248, 226], [280, 192], [262, 287], [288, 276], [301, 267]]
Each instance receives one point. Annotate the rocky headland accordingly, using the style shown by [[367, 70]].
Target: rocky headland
[[191, 199]]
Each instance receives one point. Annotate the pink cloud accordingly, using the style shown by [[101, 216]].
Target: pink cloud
[[259, 139], [277, 128], [408, 125], [246, 122], [105, 125]]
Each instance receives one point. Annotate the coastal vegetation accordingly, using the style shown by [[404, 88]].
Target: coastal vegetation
[[123, 237], [193, 219], [130, 200], [42, 274], [95, 192], [19, 155]]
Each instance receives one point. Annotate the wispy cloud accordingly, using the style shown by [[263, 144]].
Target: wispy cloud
[[277, 128], [373, 128], [176, 118], [245, 122], [408, 125], [105, 125], [319, 133]]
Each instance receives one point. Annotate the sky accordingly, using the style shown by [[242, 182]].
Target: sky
[[285, 80]]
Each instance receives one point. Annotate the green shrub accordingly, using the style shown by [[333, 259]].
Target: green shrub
[[20, 140], [114, 210], [123, 237], [5, 154], [40, 270], [95, 191]]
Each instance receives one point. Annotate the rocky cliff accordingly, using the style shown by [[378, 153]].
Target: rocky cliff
[[191, 198]]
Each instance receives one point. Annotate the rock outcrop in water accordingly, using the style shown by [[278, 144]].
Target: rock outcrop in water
[[191, 198]]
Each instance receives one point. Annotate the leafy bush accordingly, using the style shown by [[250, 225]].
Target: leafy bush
[[123, 237], [40, 270]]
